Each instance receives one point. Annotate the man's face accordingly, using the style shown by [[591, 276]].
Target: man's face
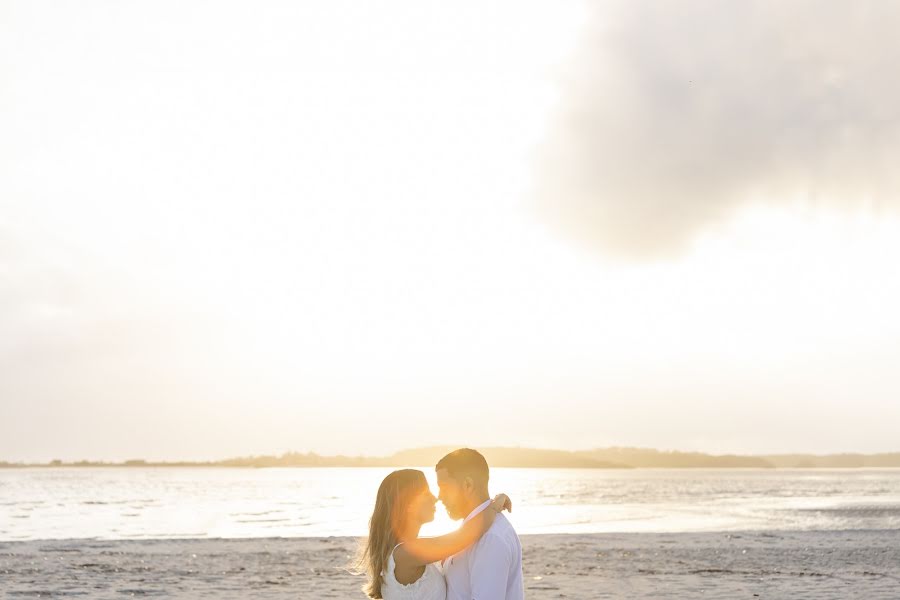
[[451, 494]]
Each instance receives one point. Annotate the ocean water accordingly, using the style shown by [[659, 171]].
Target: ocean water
[[137, 503]]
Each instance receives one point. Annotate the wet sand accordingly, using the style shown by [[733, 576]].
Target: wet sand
[[824, 565]]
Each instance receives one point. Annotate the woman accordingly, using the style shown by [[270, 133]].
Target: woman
[[401, 565]]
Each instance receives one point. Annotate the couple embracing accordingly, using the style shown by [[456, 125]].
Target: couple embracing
[[482, 560]]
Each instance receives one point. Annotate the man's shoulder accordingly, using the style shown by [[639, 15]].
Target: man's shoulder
[[503, 526], [501, 532]]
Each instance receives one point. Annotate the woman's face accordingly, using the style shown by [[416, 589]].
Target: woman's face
[[422, 507]]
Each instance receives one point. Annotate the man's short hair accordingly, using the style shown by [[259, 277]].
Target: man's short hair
[[466, 462]]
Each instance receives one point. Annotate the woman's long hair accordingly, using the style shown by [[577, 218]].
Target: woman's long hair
[[388, 520]]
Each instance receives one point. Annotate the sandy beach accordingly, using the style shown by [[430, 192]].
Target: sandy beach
[[835, 564]]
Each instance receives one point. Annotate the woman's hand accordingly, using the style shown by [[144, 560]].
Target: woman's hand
[[501, 502]]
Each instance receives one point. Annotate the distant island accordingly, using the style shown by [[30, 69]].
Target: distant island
[[604, 458]]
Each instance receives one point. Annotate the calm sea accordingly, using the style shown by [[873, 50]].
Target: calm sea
[[121, 503]]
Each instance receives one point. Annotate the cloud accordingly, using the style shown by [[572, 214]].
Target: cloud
[[674, 115]]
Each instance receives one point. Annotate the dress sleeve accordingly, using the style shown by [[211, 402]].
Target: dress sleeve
[[489, 572]]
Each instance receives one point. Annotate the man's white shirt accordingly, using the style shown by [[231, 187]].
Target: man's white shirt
[[489, 569]]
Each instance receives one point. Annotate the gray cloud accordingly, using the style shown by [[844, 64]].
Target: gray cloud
[[675, 114]]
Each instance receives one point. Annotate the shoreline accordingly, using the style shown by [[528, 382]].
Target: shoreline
[[823, 564], [13, 467], [624, 535]]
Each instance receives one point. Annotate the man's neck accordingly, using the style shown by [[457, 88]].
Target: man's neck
[[478, 501]]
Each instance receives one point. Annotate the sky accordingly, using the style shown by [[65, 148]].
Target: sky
[[233, 228]]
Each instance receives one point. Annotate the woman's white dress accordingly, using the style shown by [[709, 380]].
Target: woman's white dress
[[430, 586]]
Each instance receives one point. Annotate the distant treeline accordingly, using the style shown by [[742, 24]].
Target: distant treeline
[[605, 458]]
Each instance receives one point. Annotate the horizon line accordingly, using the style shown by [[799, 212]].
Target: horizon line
[[386, 457]]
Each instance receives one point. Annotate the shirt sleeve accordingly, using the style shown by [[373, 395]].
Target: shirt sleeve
[[489, 572]]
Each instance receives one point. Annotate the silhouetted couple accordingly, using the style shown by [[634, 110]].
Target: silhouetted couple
[[482, 560]]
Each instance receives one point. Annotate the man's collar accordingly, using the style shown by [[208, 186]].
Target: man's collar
[[477, 510]]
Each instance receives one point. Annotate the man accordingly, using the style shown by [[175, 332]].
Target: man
[[490, 569]]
